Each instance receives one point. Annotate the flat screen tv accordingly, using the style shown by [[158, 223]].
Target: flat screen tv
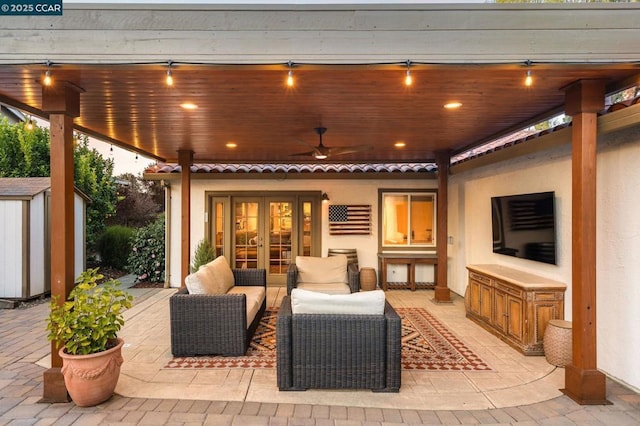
[[524, 226]]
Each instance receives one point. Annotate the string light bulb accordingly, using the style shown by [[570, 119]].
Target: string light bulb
[[29, 124], [408, 79], [169, 79], [290, 75], [48, 81], [528, 80]]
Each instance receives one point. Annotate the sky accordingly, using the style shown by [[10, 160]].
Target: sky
[[124, 161]]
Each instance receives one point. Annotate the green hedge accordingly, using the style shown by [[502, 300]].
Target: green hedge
[[147, 252], [114, 246]]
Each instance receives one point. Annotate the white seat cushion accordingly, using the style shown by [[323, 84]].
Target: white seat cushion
[[326, 288], [255, 296], [311, 302]]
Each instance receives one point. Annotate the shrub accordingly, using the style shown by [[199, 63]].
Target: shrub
[[114, 246], [146, 259], [203, 255], [91, 318]]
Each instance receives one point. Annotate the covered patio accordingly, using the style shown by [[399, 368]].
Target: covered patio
[[349, 64], [513, 379]]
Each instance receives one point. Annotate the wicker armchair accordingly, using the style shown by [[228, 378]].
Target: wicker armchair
[[353, 277], [214, 324], [338, 351]]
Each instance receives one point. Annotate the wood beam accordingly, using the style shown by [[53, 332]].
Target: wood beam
[[442, 294], [62, 102], [185, 159], [583, 382]]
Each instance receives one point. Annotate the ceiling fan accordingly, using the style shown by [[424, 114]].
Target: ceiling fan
[[322, 152]]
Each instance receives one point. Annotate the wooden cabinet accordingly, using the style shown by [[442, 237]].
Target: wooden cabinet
[[514, 305]]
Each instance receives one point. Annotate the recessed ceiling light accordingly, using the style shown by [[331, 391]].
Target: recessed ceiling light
[[399, 144], [188, 105], [452, 105], [231, 144]]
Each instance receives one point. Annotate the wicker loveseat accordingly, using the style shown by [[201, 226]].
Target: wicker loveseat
[[331, 275], [218, 324], [338, 351]]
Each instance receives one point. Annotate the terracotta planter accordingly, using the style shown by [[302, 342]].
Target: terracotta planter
[[91, 379]]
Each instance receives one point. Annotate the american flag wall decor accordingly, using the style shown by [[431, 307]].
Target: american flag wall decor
[[349, 219]]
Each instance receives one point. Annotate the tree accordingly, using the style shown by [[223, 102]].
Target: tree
[[26, 152], [23, 152], [94, 177], [139, 201]]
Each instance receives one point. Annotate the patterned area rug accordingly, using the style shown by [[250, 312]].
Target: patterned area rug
[[426, 345]]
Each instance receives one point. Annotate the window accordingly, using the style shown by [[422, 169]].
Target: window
[[407, 219]]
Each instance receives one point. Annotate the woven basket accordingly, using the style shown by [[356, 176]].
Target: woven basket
[[368, 279], [558, 342]]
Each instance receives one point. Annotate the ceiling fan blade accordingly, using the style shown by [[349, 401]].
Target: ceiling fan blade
[[304, 154], [340, 150]]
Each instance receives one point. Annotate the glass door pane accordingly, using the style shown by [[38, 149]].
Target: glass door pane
[[280, 227], [306, 228], [247, 238], [218, 227]]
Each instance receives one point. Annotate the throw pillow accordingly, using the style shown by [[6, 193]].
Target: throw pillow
[[362, 303], [332, 269], [222, 275], [194, 282]]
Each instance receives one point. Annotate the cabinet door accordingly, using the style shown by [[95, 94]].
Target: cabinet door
[[500, 314], [474, 297], [515, 318], [485, 302]]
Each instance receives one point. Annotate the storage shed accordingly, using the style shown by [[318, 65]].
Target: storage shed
[[25, 244]]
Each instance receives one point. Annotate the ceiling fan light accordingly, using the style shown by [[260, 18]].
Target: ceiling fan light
[[320, 156]]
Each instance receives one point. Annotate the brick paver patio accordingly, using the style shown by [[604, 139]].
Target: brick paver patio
[[23, 342]]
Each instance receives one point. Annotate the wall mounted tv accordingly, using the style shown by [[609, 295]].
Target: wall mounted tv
[[524, 226]]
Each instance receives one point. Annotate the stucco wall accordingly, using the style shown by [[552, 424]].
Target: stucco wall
[[618, 235], [339, 191]]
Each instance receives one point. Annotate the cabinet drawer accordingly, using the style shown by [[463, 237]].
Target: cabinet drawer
[[508, 289], [480, 278], [546, 296]]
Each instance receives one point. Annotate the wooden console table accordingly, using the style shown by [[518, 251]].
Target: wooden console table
[[514, 305], [410, 260]]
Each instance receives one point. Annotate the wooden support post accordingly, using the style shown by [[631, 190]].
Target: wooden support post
[[583, 382], [62, 102], [185, 159], [442, 294]]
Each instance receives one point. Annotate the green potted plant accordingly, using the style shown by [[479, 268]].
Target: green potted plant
[[204, 254], [85, 329]]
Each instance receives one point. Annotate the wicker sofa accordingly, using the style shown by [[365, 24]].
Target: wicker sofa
[[331, 275], [338, 351], [217, 324]]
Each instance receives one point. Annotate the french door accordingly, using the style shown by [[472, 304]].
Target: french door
[[265, 231]]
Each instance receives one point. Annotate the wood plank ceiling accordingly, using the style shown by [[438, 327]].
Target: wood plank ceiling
[[252, 106]]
